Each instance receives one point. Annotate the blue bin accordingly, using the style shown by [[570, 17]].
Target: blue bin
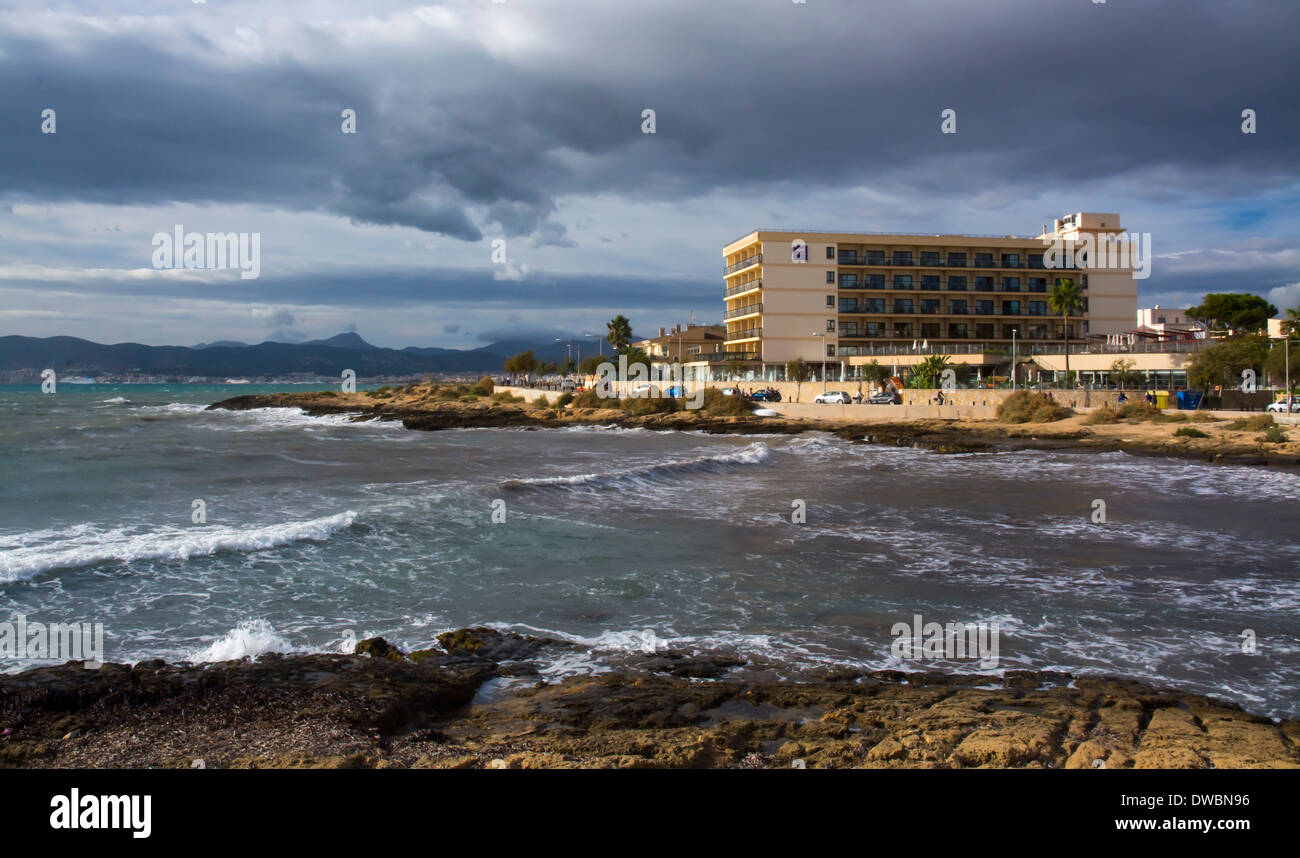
[[1189, 400]]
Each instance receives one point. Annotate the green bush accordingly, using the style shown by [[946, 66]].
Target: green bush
[[483, 387], [1027, 406], [590, 399], [541, 402], [1274, 435], [328, 393], [1138, 411], [1190, 432], [563, 399], [506, 396], [1255, 423]]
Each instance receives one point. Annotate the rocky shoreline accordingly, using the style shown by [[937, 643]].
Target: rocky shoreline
[[942, 436], [477, 701]]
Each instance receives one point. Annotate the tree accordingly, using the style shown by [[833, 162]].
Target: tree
[[620, 333], [1235, 312], [1275, 363], [929, 372], [797, 371], [524, 363], [1123, 373], [590, 364], [1291, 324], [1066, 300], [567, 365], [1222, 363], [875, 374]]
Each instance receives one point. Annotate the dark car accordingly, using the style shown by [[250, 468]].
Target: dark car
[[766, 396], [884, 398]]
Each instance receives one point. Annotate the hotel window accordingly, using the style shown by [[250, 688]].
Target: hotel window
[[929, 257], [902, 330], [830, 351], [1010, 284], [1038, 332], [903, 305], [1008, 331], [957, 330], [984, 331], [1035, 260], [903, 281], [849, 281], [957, 284], [1038, 308], [956, 260], [875, 281], [929, 305], [830, 325], [983, 260], [1037, 284], [848, 329], [1011, 260], [929, 329], [1011, 308], [903, 257], [930, 282], [1083, 304], [957, 307], [848, 305], [984, 308], [830, 251], [875, 257], [873, 305], [875, 329], [830, 276], [983, 284], [830, 300]]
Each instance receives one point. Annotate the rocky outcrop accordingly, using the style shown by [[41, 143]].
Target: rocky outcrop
[[429, 708]]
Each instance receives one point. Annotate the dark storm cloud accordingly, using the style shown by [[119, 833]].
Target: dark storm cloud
[[830, 95]]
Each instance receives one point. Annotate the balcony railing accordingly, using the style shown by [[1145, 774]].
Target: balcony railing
[[747, 334], [744, 287], [744, 263], [742, 311]]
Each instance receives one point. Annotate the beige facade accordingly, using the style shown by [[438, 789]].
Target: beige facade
[[852, 297], [684, 345]]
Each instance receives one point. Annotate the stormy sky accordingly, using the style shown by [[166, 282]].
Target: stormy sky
[[521, 120]]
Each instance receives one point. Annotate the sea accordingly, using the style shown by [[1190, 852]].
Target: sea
[[201, 536]]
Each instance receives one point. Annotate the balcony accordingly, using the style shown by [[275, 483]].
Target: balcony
[[744, 287], [747, 310], [720, 357], [903, 260], [742, 264], [747, 334]]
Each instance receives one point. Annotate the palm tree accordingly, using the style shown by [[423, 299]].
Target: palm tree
[[1066, 299], [620, 333]]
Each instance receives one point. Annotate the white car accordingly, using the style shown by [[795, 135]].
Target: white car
[[837, 397], [644, 391], [730, 391], [568, 385], [1280, 407]]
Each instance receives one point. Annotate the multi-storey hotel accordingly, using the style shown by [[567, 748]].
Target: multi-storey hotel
[[850, 298]]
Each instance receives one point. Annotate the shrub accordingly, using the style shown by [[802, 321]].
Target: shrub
[[1026, 406], [648, 405], [483, 387], [328, 393], [541, 402], [1176, 417], [589, 399], [1201, 417], [469, 397], [563, 399], [1190, 432], [1274, 435], [1255, 423], [1138, 411], [506, 396], [1102, 415], [717, 404]]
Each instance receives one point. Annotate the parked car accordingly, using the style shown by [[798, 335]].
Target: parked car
[[644, 390], [767, 395], [837, 397], [568, 385], [1280, 407], [884, 398], [731, 391], [676, 392]]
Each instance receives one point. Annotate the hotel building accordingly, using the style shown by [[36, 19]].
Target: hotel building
[[850, 298]]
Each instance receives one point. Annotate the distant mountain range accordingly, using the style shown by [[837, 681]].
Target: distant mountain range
[[328, 357]]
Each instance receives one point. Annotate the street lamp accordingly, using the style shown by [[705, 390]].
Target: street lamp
[[600, 342], [1013, 358], [822, 334]]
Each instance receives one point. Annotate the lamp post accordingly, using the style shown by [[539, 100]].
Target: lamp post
[[822, 334], [1013, 358]]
